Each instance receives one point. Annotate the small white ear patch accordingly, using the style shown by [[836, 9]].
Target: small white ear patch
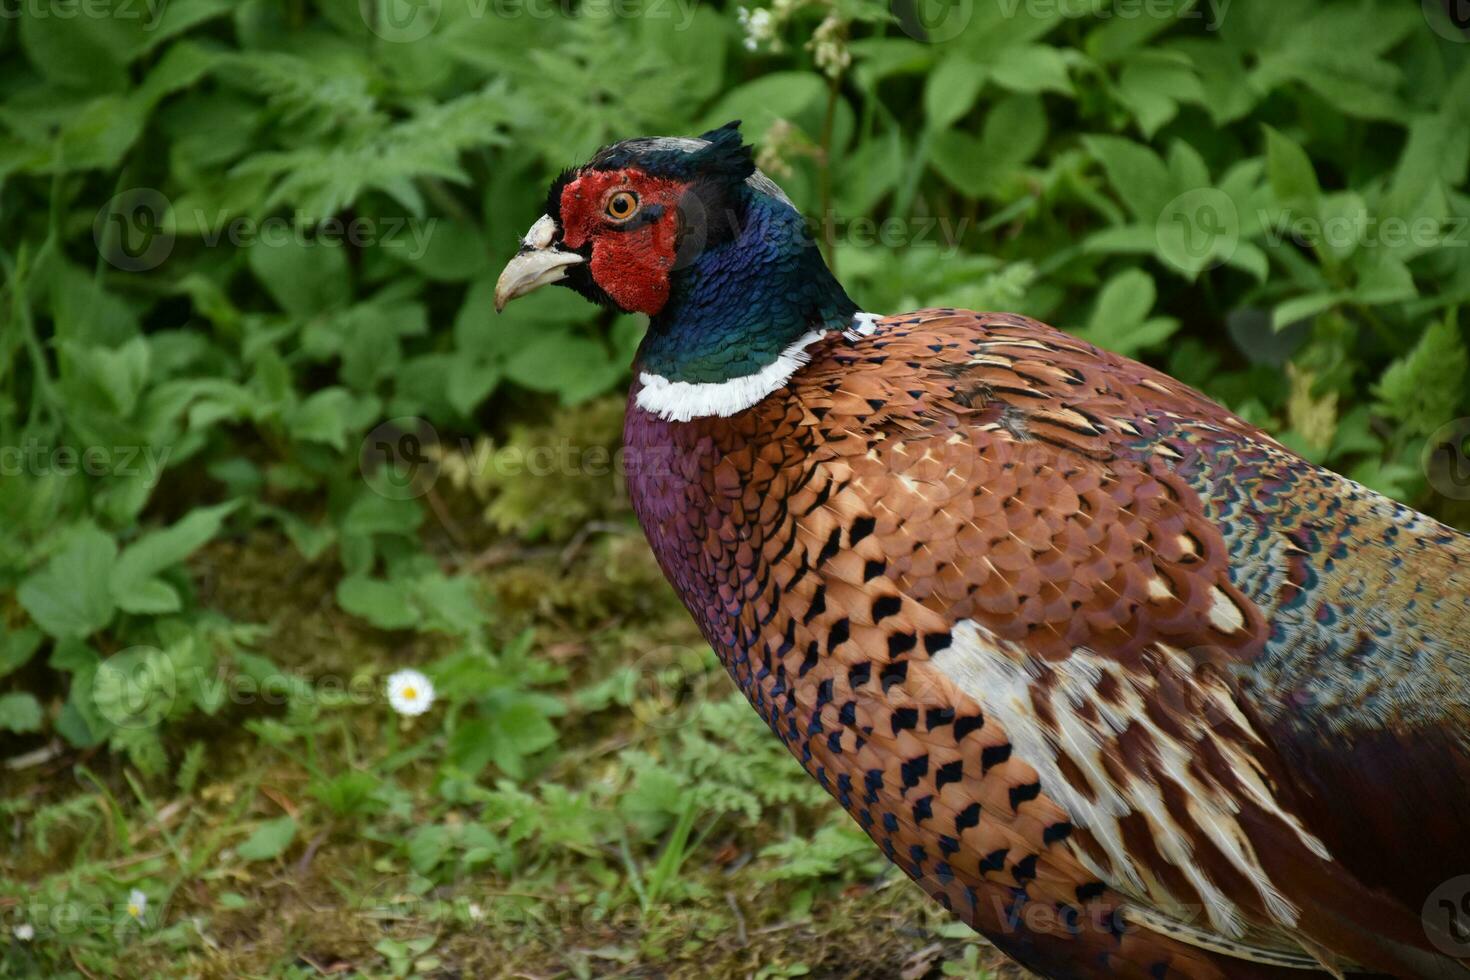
[[541, 233]]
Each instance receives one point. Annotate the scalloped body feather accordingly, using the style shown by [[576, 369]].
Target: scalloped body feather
[[1091, 659]]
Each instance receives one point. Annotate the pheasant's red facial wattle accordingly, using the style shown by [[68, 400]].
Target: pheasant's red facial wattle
[[631, 221]]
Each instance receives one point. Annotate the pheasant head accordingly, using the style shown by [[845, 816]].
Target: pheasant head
[[690, 233]]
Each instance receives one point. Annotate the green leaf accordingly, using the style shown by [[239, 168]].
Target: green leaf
[[1382, 278], [17, 647], [1136, 173], [524, 728], [877, 58], [1120, 322], [1426, 387], [304, 278], [269, 840], [325, 417], [471, 746], [1014, 131], [133, 583], [88, 49], [479, 331], [796, 96], [1031, 68], [1250, 260], [575, 367], [1342, 220], [1186, 167], [386, 605], [1225, 91], [1289, 171], [1153, 84], [1118, 35], [178, 17], [349, 792], [371, 513], [119, 373], [448, 604], [469, 383], [1126, 299], [871, 170], [69, 596], [950, 90], [1302, 307], [20, 712], [427, 846], [958, 158], [441, 249]]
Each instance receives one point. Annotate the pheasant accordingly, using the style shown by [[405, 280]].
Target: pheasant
[[1117, 678]]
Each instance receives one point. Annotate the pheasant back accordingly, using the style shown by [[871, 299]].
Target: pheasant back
[[1112, 674]]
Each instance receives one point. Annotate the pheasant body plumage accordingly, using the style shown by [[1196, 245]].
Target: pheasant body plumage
[[1117, 678]]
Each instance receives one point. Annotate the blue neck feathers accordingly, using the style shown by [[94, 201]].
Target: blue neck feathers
[[740, 303]]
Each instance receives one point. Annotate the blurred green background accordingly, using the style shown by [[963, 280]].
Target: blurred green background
[[263, 441]]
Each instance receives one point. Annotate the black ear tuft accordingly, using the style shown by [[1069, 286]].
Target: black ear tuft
[[726, 157], [723, 158], [714, 134], [553, 194]]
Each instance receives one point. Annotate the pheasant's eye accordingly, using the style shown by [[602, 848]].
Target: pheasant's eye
[[622, 205]]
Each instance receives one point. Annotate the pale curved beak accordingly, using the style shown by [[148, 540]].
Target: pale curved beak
[[538, 263]]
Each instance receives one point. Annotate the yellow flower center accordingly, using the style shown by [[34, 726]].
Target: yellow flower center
[[411, 693]]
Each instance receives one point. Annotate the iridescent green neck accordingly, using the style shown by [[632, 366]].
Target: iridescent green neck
[[745, 301]]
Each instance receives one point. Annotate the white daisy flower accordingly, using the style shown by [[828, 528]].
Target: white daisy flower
[[410, 692], [137, 903], [476, 912], [25, 932]]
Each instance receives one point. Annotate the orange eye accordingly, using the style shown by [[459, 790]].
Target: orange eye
[[622, 206]]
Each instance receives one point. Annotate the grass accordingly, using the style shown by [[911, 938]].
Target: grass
[[589, 796]]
